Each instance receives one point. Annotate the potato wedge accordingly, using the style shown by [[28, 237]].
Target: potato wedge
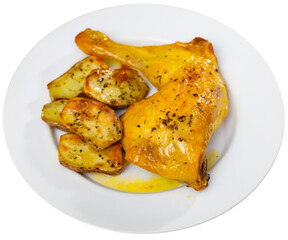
[[70, 84], [79, 156], [93, 121], [51, 113], [117, 88]]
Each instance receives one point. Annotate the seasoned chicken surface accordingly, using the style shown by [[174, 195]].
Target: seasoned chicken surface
[[159, 64], [168, 132]]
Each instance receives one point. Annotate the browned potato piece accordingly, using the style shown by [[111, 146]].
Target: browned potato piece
[[79, 156], [51, 113], [70, 84], [117, 88], [93, 121]]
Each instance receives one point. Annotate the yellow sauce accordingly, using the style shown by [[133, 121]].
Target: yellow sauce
[[154, 184], [138, 180], [212, 155]]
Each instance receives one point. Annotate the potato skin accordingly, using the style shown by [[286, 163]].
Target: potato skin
[[117, 88], [79, 156], [93, 121], [70, 84], [51, 113]]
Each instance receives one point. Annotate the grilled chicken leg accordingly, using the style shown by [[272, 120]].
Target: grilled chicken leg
[[157, 63], [168, 132]]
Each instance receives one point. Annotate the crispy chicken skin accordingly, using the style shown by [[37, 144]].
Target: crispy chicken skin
[[168, 132], [157, 63]]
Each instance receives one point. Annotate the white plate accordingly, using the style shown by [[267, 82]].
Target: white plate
[[249, 138]]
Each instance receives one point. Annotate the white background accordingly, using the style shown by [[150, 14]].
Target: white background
[[263, 215]]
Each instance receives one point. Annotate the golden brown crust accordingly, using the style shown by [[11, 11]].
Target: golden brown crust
[[168, 132], [117, 88], [70, 84], [157, 63], [93, 121], [79, 156]]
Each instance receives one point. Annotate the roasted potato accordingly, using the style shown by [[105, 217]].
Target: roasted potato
[[80, 156], [117, 88], [93, 121], [51, 113], [70, 84]]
